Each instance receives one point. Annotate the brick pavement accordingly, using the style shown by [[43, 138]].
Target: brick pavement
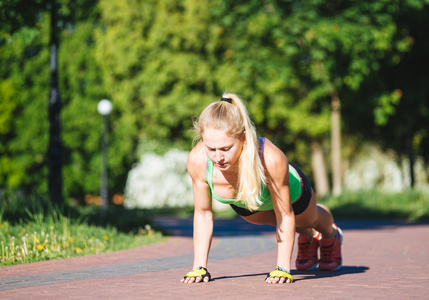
[[381, 260]]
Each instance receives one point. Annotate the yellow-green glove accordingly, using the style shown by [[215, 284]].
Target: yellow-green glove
[[201, 272], [280, 273]]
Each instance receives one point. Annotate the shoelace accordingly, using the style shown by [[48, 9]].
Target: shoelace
[[304, 250], [327, 251]]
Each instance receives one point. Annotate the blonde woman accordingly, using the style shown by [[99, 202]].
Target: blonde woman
[[232, 165]]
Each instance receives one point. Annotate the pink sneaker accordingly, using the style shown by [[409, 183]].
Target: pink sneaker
[[307, 252], [330, 251]]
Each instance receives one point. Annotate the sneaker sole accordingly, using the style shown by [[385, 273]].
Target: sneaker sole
[[313, 268]]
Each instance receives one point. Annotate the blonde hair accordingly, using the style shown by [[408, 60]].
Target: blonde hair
[[232, 116]]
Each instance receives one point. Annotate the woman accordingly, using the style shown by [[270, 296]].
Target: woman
[[233, 166]]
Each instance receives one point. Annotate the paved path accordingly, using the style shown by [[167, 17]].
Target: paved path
[[382, 260]]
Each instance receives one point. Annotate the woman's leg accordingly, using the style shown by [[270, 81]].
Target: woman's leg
[[316, 218]]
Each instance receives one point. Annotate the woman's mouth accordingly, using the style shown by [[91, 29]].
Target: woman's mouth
[[221, 165]]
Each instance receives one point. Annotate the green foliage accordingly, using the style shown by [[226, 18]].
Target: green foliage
[[397, 94], [14, 14], [386, 106], [81, 90], [25, 75], [7, 106], [160, 62], [157, 75]]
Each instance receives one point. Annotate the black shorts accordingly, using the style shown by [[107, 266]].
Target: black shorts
[[299, 206]]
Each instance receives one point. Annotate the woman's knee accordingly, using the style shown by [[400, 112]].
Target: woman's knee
[[324, 214], [309, 221], [323, 209]]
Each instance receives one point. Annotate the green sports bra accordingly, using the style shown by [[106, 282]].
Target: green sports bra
[[295, 186]]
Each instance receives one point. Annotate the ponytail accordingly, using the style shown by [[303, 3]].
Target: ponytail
[[231, 114]]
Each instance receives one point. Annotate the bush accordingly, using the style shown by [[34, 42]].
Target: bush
[[159, 181]]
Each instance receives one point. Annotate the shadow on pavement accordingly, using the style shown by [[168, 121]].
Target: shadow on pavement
[[327, 274], [239, 227], [238, 276], [304, 275], [222, 227]]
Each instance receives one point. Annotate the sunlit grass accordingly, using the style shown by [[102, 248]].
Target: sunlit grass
[[32, 242], [33, 228], [409, 205], [53, 236]]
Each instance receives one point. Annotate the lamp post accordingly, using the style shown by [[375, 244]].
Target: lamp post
[[55, 181], [104, 107]]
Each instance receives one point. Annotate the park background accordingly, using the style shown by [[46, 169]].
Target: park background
[[341, 86]]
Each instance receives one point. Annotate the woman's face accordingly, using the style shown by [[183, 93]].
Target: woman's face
[[222, 149]]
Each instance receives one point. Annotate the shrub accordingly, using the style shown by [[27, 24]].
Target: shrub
[[159, 181]]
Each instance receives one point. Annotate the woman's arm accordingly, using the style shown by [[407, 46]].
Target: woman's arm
[[277, 167], [203, 213]]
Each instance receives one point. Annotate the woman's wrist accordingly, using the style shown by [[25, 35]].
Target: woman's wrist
[[283, 269]]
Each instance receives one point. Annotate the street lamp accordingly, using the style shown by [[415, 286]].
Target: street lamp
[[104, 107]]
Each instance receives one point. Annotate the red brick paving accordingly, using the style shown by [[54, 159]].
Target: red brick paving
[[381, 261]]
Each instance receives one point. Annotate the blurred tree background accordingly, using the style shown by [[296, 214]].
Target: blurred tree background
[[320, 78]]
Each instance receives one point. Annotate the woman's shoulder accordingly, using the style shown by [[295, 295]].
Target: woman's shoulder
[[197, 161], [273, 156]]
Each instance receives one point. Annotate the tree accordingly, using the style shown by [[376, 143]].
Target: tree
[[161, 62], [345, 42], [160, 72], [398, 93], [25, 61]]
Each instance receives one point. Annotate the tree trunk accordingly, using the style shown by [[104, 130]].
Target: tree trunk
[[319, 170], [55, 183], [336, 143]]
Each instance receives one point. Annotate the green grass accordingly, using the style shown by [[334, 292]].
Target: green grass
[[46, 238], [32, 229], [410, 205]]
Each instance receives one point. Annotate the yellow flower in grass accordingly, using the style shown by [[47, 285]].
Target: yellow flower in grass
[[78, 250], [106, 237], [40, 247]]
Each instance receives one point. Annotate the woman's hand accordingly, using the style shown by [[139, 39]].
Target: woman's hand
[[196, 275], [278, 280], [279, 275], [194, 280]]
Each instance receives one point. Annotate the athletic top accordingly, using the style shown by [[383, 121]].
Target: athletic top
[[295, 186]]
